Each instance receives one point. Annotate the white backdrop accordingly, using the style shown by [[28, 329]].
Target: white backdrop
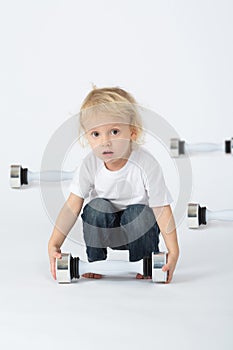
[[176, 58]]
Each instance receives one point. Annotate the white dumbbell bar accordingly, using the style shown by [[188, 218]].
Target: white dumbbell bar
[[68, 267], [179, 148], [198, 215], [22, 176]]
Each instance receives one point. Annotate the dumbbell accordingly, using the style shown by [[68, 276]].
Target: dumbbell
[[201, 216], [68, 267], [22, 176], [178, 147]]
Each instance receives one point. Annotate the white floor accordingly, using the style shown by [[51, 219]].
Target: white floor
[[193, 312], [175, 57]]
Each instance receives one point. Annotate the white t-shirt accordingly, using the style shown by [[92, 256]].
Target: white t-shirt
[[139, 181]]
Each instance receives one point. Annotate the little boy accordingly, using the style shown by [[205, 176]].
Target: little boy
[[128, 201]]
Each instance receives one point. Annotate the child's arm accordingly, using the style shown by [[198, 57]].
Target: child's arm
[[167, 227], [64, 223]]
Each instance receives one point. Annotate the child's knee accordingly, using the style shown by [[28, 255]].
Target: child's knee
[[138, 213], [99, 212]]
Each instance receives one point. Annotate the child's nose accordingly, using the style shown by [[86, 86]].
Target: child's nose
[[106, 141]]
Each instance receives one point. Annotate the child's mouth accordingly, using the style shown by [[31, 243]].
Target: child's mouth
[[107, 153]]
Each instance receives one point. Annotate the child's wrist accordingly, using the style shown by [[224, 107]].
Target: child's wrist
[[52, 246], [174, 253]]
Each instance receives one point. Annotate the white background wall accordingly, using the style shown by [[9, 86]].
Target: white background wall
[[176, 58]]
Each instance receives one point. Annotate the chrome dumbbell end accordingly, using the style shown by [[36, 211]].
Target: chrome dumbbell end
[[158, 261], [152, 266], [229, 146], [196, 215], [67, 268], [177, 147], [18, 176]]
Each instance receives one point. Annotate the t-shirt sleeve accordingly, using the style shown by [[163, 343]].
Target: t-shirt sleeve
[[157, 191], [82, 181]]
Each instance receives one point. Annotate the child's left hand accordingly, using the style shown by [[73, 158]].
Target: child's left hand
[[170, 266]]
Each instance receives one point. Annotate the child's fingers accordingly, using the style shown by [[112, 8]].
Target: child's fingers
[[170, 274], [57, 255], [53, 269], [166, 267], [54, 254]]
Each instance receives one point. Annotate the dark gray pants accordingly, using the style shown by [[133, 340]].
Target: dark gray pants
[[134, 229]]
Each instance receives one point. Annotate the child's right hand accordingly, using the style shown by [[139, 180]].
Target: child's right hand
[[54, 253]]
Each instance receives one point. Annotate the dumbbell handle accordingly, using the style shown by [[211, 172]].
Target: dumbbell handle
[[22, 176], [50, 176], [179, 147], [203, 147], [222, 215], [113, 267]]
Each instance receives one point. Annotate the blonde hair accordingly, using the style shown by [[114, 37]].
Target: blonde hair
[[114, 102]]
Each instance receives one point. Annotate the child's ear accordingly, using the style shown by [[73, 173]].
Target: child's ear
[[133, 135]]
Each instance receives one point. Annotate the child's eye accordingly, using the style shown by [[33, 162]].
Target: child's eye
[[115, 132], [95, 134]]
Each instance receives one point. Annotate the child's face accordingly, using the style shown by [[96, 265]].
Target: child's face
[[111, 141]]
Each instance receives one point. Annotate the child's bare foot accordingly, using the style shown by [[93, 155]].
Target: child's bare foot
[[91, 275], [141, 277]]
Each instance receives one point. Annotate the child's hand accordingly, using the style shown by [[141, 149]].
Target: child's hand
[[170, 266], [54, 253]]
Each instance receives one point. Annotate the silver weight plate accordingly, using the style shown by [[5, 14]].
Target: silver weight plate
[[15, 181], [63, 268], [158, 261]]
